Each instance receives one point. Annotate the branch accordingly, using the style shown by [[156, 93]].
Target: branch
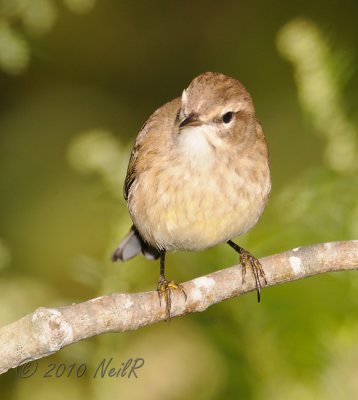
[[47, 330]]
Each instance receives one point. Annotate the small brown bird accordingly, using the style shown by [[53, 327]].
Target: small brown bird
[[198, 176]]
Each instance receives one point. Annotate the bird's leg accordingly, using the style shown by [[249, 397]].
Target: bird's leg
[[247, 259], [164, 287]]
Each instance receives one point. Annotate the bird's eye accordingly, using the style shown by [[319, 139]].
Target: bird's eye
[[227, 117]]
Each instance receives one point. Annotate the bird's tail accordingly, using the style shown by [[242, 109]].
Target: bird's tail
[[131, 245]]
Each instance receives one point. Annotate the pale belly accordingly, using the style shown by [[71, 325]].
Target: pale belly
[[193, 212]]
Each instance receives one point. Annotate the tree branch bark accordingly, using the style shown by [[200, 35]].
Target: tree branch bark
[[47, 330]]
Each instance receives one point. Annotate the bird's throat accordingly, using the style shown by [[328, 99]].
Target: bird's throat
[[198, 143]]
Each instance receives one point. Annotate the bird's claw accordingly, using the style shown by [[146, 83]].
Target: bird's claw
[[247, 259], [164, 289]]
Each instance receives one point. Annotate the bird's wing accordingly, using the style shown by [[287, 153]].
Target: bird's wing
[[158, 124], [131, 173]]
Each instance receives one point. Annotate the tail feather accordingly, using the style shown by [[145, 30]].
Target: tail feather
[[131, 245]]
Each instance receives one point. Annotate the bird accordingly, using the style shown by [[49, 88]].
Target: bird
[[198, 176]]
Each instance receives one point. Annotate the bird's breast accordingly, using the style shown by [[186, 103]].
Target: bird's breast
[[194, 205]]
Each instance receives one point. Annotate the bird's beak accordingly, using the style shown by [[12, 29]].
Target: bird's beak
[[191, 120]]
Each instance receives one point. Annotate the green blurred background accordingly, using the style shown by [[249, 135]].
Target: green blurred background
[[77, 80]]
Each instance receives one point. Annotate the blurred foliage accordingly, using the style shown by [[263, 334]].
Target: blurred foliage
[[14, 53], [5, 255], [20, 19], [67, 123], [100, 152], [324, 200], [320, 75]]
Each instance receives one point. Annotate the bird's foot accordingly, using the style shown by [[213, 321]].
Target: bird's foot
[[247, 259], [164, 289]]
